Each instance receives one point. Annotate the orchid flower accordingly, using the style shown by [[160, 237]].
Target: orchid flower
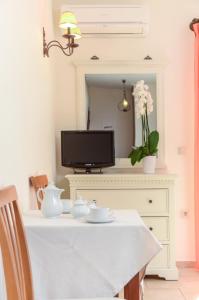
[[143, 99], [143, 106]]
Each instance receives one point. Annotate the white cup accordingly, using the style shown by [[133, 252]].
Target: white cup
[[99, 213], [67, 205]]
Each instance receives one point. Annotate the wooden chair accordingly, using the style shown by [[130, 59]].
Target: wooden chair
[[14, 249], [38, 182]]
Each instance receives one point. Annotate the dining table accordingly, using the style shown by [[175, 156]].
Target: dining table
[[71, 258]]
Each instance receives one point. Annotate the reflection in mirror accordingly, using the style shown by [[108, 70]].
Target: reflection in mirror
[[107, 93]]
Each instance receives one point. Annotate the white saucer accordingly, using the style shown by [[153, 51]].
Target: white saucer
[[67, 211], [109, 220]]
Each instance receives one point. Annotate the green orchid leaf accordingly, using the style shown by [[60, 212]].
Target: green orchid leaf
[[130, 154], [140, 153], [153, 140], [135, 156]]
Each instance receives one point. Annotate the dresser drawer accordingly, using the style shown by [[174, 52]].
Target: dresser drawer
[[161, 260], [145, 201], [159, 226]]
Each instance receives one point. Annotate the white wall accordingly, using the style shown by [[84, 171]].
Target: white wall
[[26, 95], [170, 39]]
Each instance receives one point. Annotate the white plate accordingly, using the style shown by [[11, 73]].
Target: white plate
[[109, 220]]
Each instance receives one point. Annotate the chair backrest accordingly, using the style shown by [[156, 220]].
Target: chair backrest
[[38, 182], [14, 249]]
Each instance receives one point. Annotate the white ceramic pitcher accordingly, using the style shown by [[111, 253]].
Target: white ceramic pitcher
[[51, 205]]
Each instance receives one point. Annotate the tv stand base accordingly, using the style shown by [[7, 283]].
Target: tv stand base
[[87, 171]]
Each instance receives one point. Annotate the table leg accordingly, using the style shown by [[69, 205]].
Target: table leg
[[133, 291]]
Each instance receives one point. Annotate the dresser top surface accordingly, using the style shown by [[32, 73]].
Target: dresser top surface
[[121, 176]]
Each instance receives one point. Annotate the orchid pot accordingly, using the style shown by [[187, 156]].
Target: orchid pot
[[149, 164]]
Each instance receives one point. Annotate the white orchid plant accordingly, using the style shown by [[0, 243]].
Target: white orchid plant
[[144, 107]]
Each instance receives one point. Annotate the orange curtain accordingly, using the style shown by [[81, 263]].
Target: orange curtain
[[195, 27]]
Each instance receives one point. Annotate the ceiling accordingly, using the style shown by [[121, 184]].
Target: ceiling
[[115, 80]]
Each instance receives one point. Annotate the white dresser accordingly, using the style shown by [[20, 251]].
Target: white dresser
[[151, 195]]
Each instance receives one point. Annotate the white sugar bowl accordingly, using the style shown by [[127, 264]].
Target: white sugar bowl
[[80, 208]]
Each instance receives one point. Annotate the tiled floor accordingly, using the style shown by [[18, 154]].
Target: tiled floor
[[186, 288]]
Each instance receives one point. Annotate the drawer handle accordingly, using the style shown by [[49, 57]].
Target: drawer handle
[[150, 201], [151, 228]]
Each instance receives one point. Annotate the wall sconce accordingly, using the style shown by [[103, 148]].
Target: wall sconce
[[72, 32]]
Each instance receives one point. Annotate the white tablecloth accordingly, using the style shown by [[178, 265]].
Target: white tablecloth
[[72, 259]]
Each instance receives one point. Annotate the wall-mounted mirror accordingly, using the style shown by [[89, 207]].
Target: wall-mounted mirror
[[100, 89], [111, 106]]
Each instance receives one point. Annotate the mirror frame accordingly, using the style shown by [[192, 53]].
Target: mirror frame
[[120, 67]]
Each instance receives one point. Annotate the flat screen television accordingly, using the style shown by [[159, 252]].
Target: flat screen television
[[87, 149]]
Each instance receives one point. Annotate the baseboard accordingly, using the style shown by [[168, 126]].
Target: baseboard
[[185, 264]]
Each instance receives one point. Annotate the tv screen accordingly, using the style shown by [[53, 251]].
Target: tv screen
[[87, 149]]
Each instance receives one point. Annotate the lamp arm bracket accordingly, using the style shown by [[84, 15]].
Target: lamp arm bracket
[[54, 43], [61, 47]]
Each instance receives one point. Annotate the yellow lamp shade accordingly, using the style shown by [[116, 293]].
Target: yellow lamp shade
[[67, 20], [73, 31]]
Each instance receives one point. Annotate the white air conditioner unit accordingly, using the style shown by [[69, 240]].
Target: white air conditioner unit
[[106, 20]]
